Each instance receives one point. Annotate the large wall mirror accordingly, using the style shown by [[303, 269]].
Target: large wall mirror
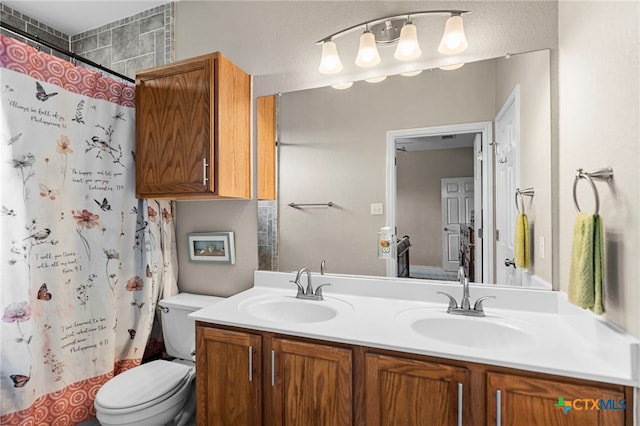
[[333, 147]]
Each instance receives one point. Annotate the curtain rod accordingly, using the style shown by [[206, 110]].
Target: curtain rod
[[45, 43]]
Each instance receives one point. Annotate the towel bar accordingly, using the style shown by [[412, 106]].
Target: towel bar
[[519, 193], [298, 205], [605, 173]]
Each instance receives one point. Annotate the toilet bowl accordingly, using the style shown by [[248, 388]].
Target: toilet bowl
[[159, 392], [152, 394]]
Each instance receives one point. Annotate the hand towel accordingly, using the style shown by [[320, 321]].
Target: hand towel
[[587, 265], [521, 248]]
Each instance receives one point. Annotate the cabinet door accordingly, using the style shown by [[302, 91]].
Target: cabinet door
[[407, 392], [266, 136], [174, 133], [311, 384], [517, 400], [228, 378]]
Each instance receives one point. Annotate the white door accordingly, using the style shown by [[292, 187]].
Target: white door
[[457, 208], [507, 180], [478, 217]]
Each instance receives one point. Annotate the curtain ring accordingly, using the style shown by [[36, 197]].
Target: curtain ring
[[581, 175]]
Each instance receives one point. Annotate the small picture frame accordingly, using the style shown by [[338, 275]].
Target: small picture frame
[[218, 247]]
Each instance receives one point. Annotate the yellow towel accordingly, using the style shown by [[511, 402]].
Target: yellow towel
[[521, 248], [587, 263]]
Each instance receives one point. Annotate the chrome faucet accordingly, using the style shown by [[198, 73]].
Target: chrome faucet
[[465, 304], [307, 293]]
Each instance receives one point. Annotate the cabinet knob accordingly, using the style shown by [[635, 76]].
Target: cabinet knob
[[509, 262]]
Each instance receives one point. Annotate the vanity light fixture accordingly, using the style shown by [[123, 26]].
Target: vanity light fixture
[[393, 29]]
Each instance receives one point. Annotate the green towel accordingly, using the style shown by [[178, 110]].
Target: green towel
[[587, 263], [521, 249]]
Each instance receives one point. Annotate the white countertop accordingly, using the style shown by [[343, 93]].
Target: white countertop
[[378, 312]]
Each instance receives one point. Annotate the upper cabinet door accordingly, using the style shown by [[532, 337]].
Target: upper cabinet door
[[266, 135], [193, 130]]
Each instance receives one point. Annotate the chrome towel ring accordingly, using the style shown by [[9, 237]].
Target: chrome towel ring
[[518, 195], [599, 174]]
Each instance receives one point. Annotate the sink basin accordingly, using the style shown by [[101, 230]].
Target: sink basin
[[292, 310], [489, 332]]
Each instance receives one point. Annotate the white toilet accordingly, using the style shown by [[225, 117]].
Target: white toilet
[[158, 392]]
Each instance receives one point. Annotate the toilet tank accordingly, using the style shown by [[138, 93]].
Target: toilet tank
[[178, 329]]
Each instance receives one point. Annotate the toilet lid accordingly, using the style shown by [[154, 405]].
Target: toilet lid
[[143, 384]]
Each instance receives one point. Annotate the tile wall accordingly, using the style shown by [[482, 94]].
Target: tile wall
[[135, 43], [268, 235], [126, 46], [25, 23]]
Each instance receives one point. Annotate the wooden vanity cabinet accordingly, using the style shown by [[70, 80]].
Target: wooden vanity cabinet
[[229, 377], [402, 391], [514, 399], [304, 383], [193, 130], [311, 384], [253, 378]]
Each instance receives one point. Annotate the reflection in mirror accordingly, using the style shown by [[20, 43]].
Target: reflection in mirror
[[333, 148]]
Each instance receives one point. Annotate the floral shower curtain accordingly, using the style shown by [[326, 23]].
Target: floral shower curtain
[[83, 262]]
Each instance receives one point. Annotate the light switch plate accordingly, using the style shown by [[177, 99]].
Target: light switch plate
[[376, 209]]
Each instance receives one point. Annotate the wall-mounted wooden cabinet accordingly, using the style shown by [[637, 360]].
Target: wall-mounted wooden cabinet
[[266, 131], [193, 138], [300, 381]]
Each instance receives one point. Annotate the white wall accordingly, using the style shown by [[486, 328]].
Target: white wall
[[599, 116]]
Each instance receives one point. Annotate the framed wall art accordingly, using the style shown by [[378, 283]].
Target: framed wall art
[[217, 247]]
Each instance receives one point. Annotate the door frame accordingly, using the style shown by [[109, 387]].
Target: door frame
[[486, 192]]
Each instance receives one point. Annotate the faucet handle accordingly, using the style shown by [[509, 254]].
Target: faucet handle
[[300, 287], [478, 305], [319, 289], [452, 300]]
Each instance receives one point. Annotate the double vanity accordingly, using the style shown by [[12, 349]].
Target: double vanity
[[377, 351]]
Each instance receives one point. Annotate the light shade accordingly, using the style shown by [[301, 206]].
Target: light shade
[[368, 55], [411, 73], [408, 47], [330, 62], [452, 67], [453, 39], [342, 86], [376, 79]]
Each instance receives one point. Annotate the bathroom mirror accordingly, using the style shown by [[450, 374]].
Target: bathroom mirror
[[332, 148]]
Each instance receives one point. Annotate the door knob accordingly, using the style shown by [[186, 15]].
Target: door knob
[[509, 262]]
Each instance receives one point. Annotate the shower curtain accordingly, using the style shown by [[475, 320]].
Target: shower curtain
[[83, 262]]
